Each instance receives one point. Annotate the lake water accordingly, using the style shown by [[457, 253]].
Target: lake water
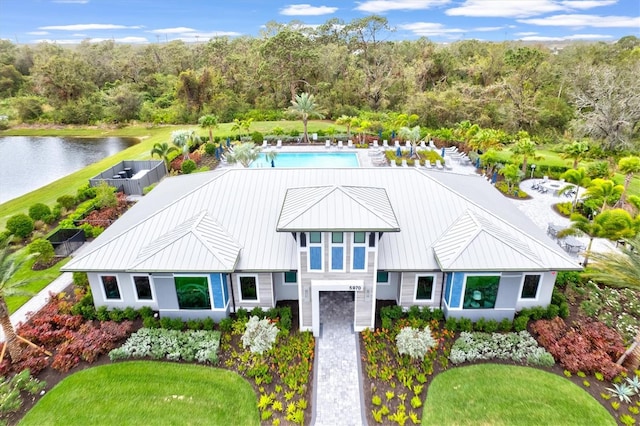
[[27, 163], [309, 160]]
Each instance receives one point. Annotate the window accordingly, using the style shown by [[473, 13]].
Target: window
[[303, 239], [372, 239], [249, 289], [359, 254], [315, 251], [110, 286], [291, 277], [530, 287], [382, 277], [315, 237], [424, 288], [481, 292], [337, 251], [193, 292], [143, 287]]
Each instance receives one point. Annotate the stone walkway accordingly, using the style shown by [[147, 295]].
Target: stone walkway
[[337, 381]]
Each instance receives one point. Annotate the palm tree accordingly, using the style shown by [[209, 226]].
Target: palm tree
[[183, 139], [618, 268], [577, 177], [524, 146], [409, 134], [243, 153], [576, 151], [611, 224], [606, 191], [240, 125], [163, 150], [209, 121], [304, 106], [9, 265], [348, 121], [512, 175], [629, 166]]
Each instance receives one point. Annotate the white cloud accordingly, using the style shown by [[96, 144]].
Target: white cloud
[[526, 33], [381, 6], [435, 29], [587, 4], [567, 38], [88, 27], [175, 30], [38, 32], [79, 35], [504, 9], [128, 40], [307, 10], [72, 1], [586, 21]]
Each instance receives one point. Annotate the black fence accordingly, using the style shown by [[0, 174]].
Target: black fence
[[66, 241]]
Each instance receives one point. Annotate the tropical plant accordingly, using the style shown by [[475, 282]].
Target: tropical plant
[[490, 160], [10, 263], [415, 342], [618, 268], [629, 166], [604, 191], [42, 249], [612, 224], [348, 121], [524, 147], [304, 106], [241, 125], [512, 175], [577, 177], [163, 150], [243, 153], [575, 151], [259, 335], [410, 133], [184, 139], [622, 391], [487, 139], [210, 122]]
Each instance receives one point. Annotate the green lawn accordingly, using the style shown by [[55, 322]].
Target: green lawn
[[491, 394], [148, 393]]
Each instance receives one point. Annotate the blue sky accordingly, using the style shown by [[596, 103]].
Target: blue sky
[[146, 21]]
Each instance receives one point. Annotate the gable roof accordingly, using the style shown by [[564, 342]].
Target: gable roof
[[475, 243], [246, 208], [337, 208]]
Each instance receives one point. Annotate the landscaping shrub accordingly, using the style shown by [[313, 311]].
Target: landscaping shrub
[[199, 345], [518, 347], [11, 389], [567, 277], [520, 322], [43, 249], [146, 312], [105, 196], [210, 149], [465, 324], [414, 342], [242, 314], [226, 325], [86, 193], [258, 312], [564, 208], [259, 335], [589, 347], [66, 201], [188, 166], [81, 279], [40, 211], [20, 225]]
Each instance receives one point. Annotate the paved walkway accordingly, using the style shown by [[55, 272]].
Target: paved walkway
[[337, 381]]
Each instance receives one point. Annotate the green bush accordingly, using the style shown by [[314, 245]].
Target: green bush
[[81, 279], [505, 325], [43, 249], [451, 324], [567, 277], [208, 324], [257, 137], [437, 314], [105, 196], [491, 326], [130, 313], [465, 324], [20, 225], [564, 208], [150, 322], [257, 312], [563, 310], [145, 312], [242, 314], [552, 311], [479, 325], [226, 324], [116, 315], [39, 211], [520, 323], [66, 201], [86, 193], [188, 166], [210, 149], [102, 313]]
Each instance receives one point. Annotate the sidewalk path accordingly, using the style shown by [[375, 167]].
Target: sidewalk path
[[337, 387]]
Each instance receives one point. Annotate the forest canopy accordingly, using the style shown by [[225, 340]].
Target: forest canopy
[[587, 89]]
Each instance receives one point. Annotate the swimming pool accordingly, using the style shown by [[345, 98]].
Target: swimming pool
[[310, 160]]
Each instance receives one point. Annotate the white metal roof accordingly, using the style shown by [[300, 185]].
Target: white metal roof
[[244, 206], [337, 208]]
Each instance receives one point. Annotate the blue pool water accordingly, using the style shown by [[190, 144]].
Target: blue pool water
[[310, 160]]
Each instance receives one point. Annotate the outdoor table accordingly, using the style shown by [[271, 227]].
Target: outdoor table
[[572, 245], [553, 229]]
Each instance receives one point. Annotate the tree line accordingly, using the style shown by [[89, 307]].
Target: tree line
[[585, 89]]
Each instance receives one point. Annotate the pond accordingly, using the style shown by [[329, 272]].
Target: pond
[[32, 162]]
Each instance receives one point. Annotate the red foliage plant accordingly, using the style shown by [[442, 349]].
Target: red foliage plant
[[588, 347], [107, 215]]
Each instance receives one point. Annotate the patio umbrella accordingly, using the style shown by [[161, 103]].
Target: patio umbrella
[[218, 153], [228, 141], [478, 163], [398, 152], [494, 178], [393, 134], [380, 134], [442, 152], [273, 164]]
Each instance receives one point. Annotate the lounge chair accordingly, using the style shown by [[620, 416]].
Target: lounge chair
[[396, 144], [327, 144], [438, 165], [279, 143], [432, 145], [349, 143], [427, 164], [385, 144], [375, 143], [404, 163], [447, 165], [423, 146], [407, 144], [265, 144], [340, 145]]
